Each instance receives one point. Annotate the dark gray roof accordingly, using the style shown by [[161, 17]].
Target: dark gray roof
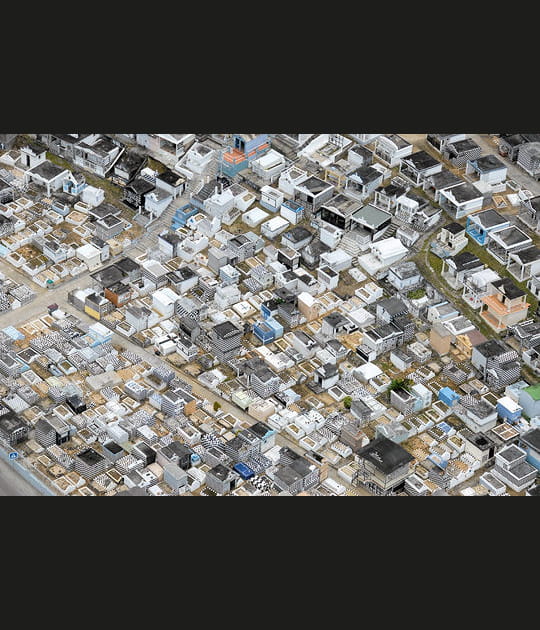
[[136, 491], [489, 218], [303, 336], [407, 269], [534, 202], [492, 348], [363, 151], [36, 148], [514, 139], [170, 237], [393, 306], [328, 370], [488, 163], [444, 179], [335, 319], [510, 454], [11, 422], [140, 186], [421, 160], [102, 147], [260, 429], [366, 174], [220, 471], [508, 288], [315, 185], [316, 248], [180, 449], [108, 276], [383, 331], [288, 475], [48, 170], [512, 236], [392, 190], [298, 234], [90, 457], [171, 178], [385, 455], [329, 272], [480, 440], [529, 255], [127, 264], [465, 260], [532, 438], [400, 142], [465, 192], [112, 447], [532, 148], [226, 329], [185, 273], [104, 209], [129, 161], [265, 374], [110, 221], [371, 216], [462, 146]]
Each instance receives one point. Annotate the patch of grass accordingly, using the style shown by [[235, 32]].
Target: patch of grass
[[22, 140], [490, 262], [528, 375], [56, 159], [400, 383], [435, 263], [113, 192], [432, 273], [155, 165], [416, 294]]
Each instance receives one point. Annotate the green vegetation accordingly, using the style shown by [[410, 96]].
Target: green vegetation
[[217, 406], [418, 190], [528, 375], [156, 166], [490, 262], [431, 268], [416, 294], [113, 193], [435, 263], [347, 402], [22, 140], [400, 383], [534, 391]]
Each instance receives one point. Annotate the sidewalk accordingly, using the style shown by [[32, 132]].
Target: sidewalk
[[26, 475]]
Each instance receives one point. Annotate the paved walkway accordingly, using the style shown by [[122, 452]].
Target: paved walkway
[[12, 484]]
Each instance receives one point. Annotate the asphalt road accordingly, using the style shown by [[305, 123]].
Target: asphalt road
[[12, 484]]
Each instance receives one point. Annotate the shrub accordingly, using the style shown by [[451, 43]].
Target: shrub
[[416, 294]]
